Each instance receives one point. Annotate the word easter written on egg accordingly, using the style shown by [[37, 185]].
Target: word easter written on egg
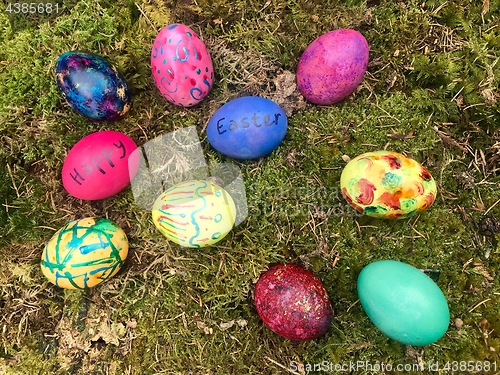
[[223, 126], [248, 127]]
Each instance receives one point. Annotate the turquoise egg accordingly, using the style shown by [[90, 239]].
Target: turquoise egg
[[403, 302]]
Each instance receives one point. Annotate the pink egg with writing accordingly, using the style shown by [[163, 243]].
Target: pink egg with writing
[[181, 65], [332, 66], [99, 165]]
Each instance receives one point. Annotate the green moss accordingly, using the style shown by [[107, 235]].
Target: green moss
[[29, 360], [26, 213]]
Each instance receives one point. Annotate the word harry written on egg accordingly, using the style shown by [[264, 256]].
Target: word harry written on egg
[[97, 167], [99, 162], [223, 125]]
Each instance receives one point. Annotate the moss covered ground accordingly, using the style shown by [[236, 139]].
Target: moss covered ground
[[431, 91]]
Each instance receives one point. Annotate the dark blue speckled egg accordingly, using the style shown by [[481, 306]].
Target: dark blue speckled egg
[[92, 86]]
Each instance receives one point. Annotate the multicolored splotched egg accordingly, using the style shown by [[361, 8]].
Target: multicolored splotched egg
[[249, 127], [100, 165], [293, 302], [332, 66], [403, 302], [386, 184], [195, 213], [92, 86], [84, 253], [181, 65]]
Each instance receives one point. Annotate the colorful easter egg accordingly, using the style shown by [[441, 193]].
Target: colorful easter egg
[[194, 213], [249, 127], [100, 165], [92, 86], [84, 253], [332, 66], [386, 184], [403, 302], [181, 65], [293, 302]]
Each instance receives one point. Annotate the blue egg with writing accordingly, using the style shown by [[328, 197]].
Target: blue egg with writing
[[92, 86], [249, 127]]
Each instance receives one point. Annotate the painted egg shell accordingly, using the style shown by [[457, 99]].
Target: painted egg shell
[[99, 165], [332, 66], [293, 302], [84, 253], [247, 128], [194, 213], [403, 302], [92, 86], [181, 65], [386, 184]]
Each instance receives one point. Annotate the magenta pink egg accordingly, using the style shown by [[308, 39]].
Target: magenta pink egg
[[332, 66], [97, 166], [181, 65]]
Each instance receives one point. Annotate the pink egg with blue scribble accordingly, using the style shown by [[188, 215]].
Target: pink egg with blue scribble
[[181, 65], [332, 66]]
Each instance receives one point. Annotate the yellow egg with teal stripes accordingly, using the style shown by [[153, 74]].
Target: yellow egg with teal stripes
[[388, 185], [84, 253], [195, 213]]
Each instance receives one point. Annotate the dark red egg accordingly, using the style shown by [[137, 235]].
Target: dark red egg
[[293, 302]]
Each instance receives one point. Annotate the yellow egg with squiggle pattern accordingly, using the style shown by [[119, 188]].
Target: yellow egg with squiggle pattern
[[195, 213], [84, 253]]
